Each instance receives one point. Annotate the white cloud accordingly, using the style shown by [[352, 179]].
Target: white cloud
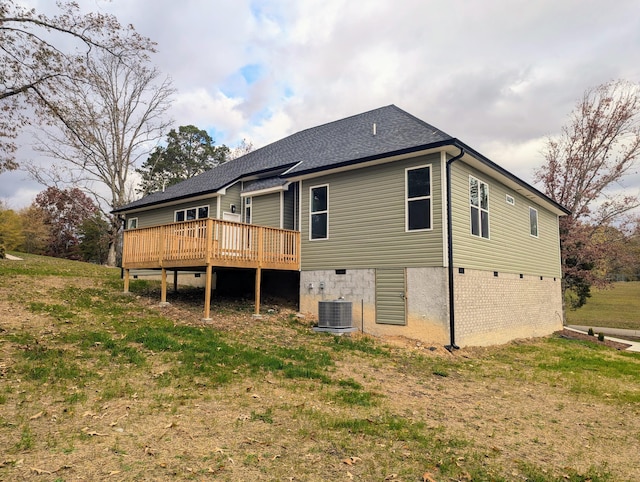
[[522, 158], [276, 126], [205, 109], [16, 191], [500, 76]]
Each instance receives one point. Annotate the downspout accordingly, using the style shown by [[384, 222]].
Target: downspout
[[452, 319]]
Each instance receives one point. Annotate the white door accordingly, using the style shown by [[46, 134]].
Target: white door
[[226, 216], [231, 235]]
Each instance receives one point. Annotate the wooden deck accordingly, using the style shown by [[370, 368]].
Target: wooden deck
[[211, 242], [206, 243]]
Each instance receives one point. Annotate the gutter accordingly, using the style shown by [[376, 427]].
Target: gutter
[[452, 319], [508, 175]]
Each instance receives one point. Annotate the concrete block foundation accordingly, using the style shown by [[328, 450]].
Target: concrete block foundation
[[489, 309]]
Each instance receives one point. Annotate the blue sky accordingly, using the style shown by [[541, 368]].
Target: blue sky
[[501, 75]]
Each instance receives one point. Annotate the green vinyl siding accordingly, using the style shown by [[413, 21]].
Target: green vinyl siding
[[391, 304], [367, 220], [510, 246], [231, 197], [266, 210], [165, 214]]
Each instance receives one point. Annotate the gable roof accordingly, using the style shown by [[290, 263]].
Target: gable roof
[[375, 134]]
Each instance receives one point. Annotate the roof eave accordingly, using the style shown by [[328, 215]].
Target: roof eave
[[362, 160], [512, 177], [165, 202], [210, 192]]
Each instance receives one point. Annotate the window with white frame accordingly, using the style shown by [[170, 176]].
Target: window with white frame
[[533, 221], [418, 198], [479, 204], [319, 212], [132, 223], [191, 214], [247, 210]]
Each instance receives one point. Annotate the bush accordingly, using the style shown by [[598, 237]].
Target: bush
[[2, 252], [600, 336], [590, 332]]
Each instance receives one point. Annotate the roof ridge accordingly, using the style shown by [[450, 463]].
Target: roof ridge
[[360, 114]]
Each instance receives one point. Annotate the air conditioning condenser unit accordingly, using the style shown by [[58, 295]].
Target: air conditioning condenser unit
[[335, 316]]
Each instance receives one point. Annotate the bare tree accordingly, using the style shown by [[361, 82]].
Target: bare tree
[[242, 149], [40, 55], [103, 123], [584, 166]]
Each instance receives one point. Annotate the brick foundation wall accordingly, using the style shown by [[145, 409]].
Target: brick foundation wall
[[496, 309]]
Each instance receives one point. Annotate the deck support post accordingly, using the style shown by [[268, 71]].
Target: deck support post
[[163, 291], [257, 295], [259, 271], [126, 280], [207, 294], [175, 280]]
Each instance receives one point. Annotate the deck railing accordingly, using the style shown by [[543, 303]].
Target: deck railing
[[211, 242]]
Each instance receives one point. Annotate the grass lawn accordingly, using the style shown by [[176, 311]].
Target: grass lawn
[[98, 385], [615, 307]]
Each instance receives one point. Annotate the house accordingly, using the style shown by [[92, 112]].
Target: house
[[425, 236]]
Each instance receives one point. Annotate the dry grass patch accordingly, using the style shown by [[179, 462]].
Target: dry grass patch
[[95, 385]]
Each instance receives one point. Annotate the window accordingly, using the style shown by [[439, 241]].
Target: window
[[191, 214], [533, 221], [247, 210], [479, 203], [319, 212], [418, 198], [132, 223]]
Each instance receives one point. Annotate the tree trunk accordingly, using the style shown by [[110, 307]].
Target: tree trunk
[[111, 257]]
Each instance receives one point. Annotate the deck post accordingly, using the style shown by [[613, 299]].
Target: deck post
[[209, 233], [126, 280], [162, 241], [175, 280], [207, 295], [259, 270], [163, 291], [257, 295]]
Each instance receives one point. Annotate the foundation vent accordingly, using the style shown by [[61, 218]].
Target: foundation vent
[[334, 314]]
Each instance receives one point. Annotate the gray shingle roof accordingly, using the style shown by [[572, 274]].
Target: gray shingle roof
[[351, 140], [337, 143], [260, 184]]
